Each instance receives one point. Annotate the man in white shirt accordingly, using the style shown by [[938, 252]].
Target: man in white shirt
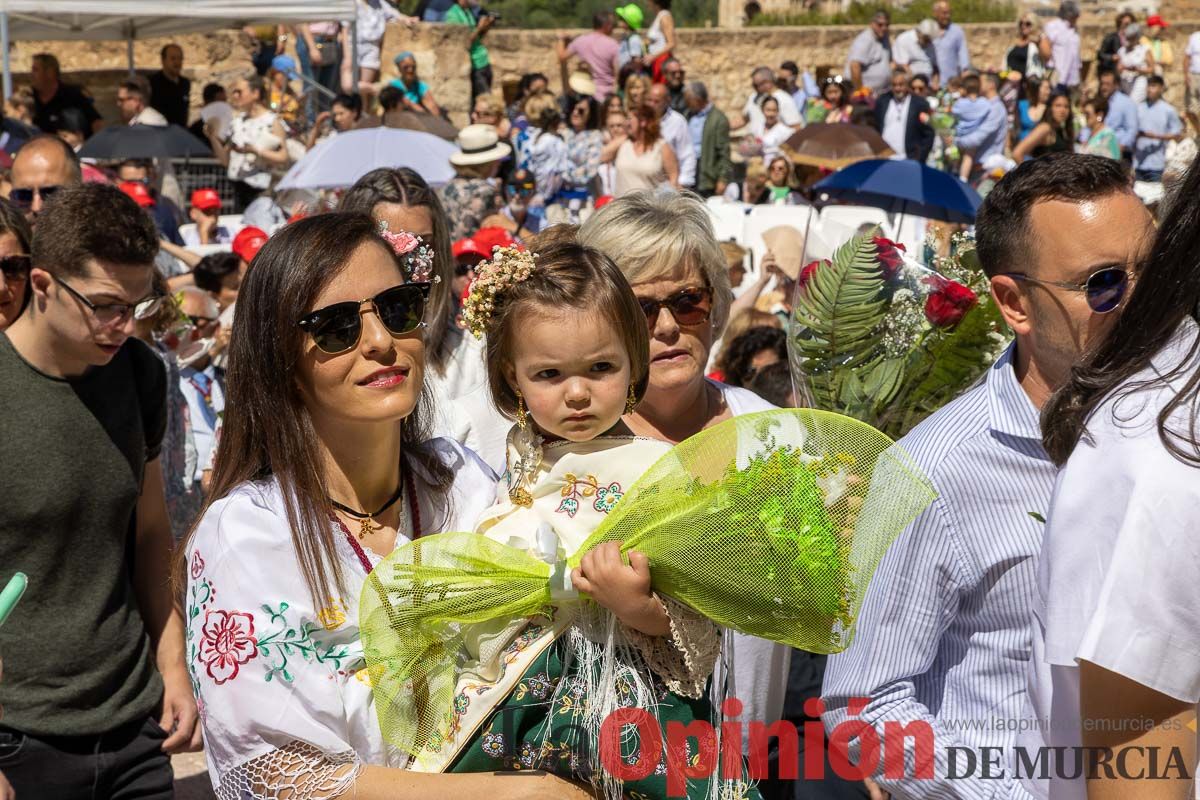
[[198, 377], [674, 130], [1191, 81], [763, 80], [914, 49], [1059, 46], [903, 120], [132, 97]]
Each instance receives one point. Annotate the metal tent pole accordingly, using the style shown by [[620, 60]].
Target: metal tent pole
[[4, 43]]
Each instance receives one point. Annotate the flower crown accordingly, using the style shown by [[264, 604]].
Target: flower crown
[[508, 267], [412, 250]]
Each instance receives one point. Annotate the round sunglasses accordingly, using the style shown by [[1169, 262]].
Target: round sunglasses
[[1105, 288], [688, 307], [337, 328]]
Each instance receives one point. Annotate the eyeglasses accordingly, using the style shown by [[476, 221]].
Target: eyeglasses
[[1105, 288], [200, 322], [15, 267], [115, 313], [673, 73], [523, 189], [24, 197], [688, 307], [337, 328]]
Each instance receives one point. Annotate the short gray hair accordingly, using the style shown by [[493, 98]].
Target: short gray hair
[[1069, 9], [649, 233], [763, 72], [698, 90]]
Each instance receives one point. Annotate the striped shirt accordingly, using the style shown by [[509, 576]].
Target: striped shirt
[[945, 630]]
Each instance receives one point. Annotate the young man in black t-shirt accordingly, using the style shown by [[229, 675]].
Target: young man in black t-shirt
[[169, 90], [96, 692]]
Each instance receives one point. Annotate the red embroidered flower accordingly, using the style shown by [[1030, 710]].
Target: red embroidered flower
[[807, 272], [887, 253], [228, 642], [945, 307], [197, 565]]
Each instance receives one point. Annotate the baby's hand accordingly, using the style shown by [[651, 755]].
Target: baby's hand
[[623, 589]]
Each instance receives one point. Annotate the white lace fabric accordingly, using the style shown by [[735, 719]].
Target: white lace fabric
[[298, 771], [685, 659]]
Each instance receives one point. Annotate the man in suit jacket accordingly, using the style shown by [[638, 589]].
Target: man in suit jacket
[[903, 119], [709, 129]]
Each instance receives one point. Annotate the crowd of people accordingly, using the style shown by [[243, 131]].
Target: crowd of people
[[236, 396]]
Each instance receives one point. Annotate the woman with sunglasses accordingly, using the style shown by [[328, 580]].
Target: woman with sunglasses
[[520, 216], [324, 468], [1115, 633], [585, 144], [14, 263], [454, 371], [1024, 60], [664, 244]]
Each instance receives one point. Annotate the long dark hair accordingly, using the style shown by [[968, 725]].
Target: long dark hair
[[405, 187], [14, 222], [1166, 293], [269, 431], [1068, 127]]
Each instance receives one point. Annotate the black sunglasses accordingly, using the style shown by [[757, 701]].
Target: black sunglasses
[[1105, 288], [15, 267], [688, 307], [200, 322], [336, 329], [24, 197]]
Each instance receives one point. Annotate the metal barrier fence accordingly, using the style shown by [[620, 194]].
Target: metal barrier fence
[[205, 173]]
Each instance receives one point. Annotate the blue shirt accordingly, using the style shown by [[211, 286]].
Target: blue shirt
[[413, 96], [1159, 118], [945, 629], [952, 54], [989, 136], [696, 126], [1122, 117]]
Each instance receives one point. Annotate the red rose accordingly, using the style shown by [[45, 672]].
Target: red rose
[[946, 307], [809, 269], [887, 253]]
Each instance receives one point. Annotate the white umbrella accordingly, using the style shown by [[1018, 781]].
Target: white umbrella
[[341, 160]]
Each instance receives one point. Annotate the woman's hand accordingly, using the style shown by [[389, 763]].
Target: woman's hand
[[623, 589]]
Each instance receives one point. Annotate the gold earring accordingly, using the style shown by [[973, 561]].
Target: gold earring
[[521, 423], [631, 401]]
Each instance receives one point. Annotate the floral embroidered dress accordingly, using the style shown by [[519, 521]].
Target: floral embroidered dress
[[509, 712], [279, 683]]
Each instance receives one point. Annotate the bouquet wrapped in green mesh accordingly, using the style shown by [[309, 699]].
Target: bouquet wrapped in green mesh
[[770, 523]]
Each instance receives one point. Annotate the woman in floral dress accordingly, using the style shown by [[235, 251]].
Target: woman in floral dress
[[323, 468]]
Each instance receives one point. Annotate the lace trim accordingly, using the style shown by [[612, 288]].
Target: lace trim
[[298, 771], [686, 659]]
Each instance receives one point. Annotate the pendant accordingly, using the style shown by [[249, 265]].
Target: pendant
[[365, 527], [520, 497]]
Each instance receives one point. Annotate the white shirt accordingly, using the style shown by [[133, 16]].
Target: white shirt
[[1117, 573], [908, 52], [149, 116], [674, 129], [773, 139], [220, 111], [1193, 53], [788, 113], [203, 411], [895, 125], [270, 669]]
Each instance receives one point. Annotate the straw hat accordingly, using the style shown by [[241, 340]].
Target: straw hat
[[478, 144], [582, 84]]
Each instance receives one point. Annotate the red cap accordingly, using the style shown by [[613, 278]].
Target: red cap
[[602, 201], [206, 200], [248, 242], [138, 192], [1155, 21], [483, 242]]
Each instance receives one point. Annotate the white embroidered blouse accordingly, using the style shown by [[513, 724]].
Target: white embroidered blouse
[[280, 685]]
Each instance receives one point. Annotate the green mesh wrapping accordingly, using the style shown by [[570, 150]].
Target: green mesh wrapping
[[770, 523]]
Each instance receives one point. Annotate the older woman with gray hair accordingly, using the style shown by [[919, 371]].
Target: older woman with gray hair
[[664, 244]]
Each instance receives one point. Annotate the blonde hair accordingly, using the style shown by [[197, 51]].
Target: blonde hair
[[1035, 24], [648, 233], [640, 80], [490, 104], [756, 169], [541, 109], [735, 254]]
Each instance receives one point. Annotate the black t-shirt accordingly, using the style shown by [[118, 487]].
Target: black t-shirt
[[48, 115], [77, 660], [170, 98]]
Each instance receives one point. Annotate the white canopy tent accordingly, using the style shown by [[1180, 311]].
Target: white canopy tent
[[114, 20]]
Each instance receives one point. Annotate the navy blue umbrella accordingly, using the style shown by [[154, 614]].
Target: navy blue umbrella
[[907, 187]]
